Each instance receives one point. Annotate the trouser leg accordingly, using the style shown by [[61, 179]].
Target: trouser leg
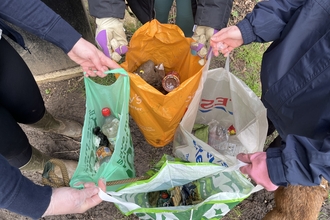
[[184, 17], [162, 9], [19, 92], [14, 144], [20, 101]]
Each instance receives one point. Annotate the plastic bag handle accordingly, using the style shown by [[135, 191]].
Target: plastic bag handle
[[227, 64], [120, 71]]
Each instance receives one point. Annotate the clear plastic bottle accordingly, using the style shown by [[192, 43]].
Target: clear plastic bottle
[[110, 126]]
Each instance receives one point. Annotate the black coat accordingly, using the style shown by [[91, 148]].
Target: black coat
[[210, 13]]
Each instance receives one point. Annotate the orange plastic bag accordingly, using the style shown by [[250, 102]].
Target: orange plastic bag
[[158, 115]]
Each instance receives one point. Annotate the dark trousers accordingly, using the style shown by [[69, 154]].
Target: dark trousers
[[20, 102]]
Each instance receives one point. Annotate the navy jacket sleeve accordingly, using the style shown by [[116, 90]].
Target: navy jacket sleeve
[[267, 20], [19, 194], [37, 18], [300, 161], [213, 13]]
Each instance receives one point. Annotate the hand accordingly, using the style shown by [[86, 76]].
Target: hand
[[257, 169], [111, 37], [226, 40], [201, 45], [91, 59], [66, 200]]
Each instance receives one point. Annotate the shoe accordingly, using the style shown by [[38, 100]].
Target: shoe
[[36, 162], [60, 126], [41, 163], [57, 173]]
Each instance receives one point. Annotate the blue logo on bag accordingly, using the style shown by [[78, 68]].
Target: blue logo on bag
[[207, 105], [209, 156], [199, 155]]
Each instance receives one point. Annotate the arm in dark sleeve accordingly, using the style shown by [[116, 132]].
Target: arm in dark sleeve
[[19, 194], [300, 161], [107, 8], [213, 13], [267, 20], [37, 18]]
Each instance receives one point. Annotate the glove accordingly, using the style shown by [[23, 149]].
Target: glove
[[257, 169], [111, 38], [201, 46]]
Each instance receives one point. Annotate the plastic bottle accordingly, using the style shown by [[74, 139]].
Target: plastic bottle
[[171, 81], [103, 152], [110, 126]]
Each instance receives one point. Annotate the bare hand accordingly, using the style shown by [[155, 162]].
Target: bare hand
[[66, 200], [226, 40], [257, 169], [92, 60]]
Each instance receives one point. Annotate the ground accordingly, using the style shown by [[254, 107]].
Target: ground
[[66, 99]]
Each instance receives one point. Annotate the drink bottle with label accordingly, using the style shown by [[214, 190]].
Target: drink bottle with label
[[110, 127]]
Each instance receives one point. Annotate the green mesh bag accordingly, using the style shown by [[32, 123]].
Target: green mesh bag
[[121, 164]]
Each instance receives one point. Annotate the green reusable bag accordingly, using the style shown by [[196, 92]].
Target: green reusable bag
[[219, 189], [121, 164]]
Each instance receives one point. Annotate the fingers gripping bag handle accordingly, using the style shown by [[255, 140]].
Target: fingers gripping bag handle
[[120, 166]]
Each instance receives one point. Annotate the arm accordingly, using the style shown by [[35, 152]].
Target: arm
[[109, 34], [213, 13], [37, 18], [22, 196], [265, 23], [210, 17], [300, 160], [107, 8], [267, 20], [19, 194]]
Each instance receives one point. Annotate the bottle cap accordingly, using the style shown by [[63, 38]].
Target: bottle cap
[[106, 112]]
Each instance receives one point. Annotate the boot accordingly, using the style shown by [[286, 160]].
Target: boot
[[39, 160], [65, 127], [36, 162]]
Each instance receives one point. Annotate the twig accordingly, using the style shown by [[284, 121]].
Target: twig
[[68, 151]]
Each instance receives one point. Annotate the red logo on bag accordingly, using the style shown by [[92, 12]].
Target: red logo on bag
[[221, 103]]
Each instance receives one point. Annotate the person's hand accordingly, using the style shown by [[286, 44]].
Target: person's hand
[[257, 169], [201, 46], [66, 200], [111, 38], [226, 40], [91, 59]]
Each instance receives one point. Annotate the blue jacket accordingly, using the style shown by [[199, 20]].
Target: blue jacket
[[295, 77], [17, 193], [38, 19]]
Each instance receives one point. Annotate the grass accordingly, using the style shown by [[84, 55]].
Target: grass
[[108, 80], [235, 214], [248, 63], [245, 64]]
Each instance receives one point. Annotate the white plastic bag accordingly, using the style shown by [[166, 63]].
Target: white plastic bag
[[229, 101]]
